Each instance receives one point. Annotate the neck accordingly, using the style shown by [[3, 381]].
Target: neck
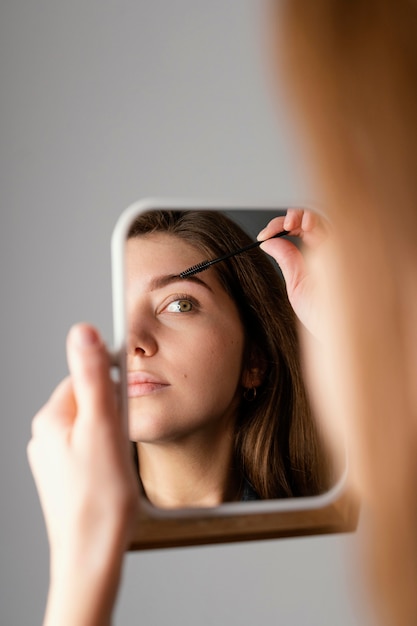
[[196, 471]]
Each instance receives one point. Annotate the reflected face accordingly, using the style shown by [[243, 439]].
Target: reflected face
[[185, 344]]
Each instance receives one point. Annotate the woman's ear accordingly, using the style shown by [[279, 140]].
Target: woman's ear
[[252, 377], [254, 368]]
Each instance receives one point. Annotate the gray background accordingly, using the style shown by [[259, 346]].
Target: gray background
[[102, 103]]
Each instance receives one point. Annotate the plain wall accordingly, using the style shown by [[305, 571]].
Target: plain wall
[[102, 103]]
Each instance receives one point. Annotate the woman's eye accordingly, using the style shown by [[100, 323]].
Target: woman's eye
[[179, 306]]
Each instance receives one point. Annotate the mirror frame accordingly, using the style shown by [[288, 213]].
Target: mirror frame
[[334, 511]]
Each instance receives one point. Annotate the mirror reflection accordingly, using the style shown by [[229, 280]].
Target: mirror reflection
[[218, 411]]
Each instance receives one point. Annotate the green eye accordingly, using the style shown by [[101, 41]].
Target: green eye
[[179, 306]]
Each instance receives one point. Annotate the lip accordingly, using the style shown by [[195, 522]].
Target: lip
[[143, 383]]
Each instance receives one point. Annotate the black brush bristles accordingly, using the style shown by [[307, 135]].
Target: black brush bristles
[[195, 269], [204, 265]]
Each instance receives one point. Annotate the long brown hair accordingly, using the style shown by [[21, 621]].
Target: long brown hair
[[277, 445]]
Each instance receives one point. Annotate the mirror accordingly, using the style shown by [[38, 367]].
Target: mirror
[[212, 382]]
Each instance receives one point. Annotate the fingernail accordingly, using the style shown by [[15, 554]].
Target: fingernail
[[84, 336], [261, 234]]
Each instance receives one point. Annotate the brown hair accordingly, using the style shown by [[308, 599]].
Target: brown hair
[[277, 445]]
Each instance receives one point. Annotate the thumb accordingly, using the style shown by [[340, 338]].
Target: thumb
[[89, 367]]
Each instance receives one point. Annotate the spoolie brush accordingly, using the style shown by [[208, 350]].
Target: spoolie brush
[[200, 267]]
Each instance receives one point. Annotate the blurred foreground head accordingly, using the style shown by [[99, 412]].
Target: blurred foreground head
[[351, 73]]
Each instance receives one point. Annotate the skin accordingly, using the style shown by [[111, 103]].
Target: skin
[[186, 341], [311, 230], [197, 352]]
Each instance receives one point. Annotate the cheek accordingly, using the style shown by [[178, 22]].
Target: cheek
[[218, 361]]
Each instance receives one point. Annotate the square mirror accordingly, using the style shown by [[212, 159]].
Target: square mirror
[[224, 440]]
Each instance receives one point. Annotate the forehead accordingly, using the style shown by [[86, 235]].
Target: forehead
[[163, 254]]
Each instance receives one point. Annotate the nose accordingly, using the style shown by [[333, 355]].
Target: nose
[[141, 343]]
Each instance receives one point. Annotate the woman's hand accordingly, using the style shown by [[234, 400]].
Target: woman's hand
[[81, 462], [312, 280], [310, 228]]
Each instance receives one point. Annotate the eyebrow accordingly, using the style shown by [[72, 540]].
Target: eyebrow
[[162, 281]]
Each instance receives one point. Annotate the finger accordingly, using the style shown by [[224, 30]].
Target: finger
[[289, 259], [292, 222], [293, 219], [275, 226], [89, 366], [308, 225], [59, 412], [309, 221]]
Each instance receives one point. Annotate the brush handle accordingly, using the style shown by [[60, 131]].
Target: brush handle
[[200, 267], [255, 244]]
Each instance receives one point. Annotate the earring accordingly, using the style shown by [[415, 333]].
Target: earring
[[249, 394]]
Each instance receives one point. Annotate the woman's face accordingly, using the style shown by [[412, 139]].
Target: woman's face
[[185, 344]]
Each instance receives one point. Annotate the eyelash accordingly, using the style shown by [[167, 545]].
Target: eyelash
[[181, 297]]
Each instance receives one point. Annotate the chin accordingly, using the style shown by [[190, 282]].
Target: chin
[[149, 433]]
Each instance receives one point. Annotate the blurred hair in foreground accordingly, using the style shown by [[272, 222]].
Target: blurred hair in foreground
[[351, 72]]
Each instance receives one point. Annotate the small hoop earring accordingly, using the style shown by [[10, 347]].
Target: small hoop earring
[[249, 394]]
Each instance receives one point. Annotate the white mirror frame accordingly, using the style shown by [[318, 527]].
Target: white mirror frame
[[336, 510]]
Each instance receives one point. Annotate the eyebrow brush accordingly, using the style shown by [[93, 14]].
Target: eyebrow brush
[[200, 267]]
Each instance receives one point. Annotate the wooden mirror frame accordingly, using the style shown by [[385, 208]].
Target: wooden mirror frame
[[335, 511]]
